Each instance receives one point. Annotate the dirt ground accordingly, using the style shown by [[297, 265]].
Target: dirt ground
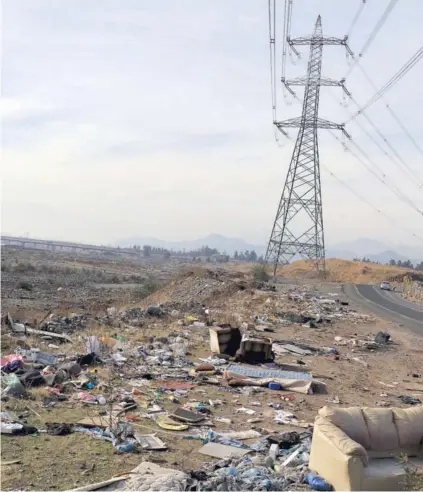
[[48, 462]]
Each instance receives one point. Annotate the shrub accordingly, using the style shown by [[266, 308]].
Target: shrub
[[25, 267], [260, 273], [24, 285], [413, 475], [147, 288]]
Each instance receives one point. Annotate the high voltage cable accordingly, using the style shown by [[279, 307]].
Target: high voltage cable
[[410, 174], [397, 77], [412, 139], [356, 17], [392, 113], [284, 34], [272, 25], [287, 26], [394, 189], [404, 198], [398, 193], [369, 203], [372, 36], [404, 167]]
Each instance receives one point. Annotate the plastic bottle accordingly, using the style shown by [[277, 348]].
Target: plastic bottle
[[101, 400], [317, 483], [274, 386], [126, 447], [228, 472], [252, 473]]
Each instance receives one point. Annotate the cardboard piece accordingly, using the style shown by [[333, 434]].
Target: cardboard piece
[[187, 415], [240, 435], [150, 441], [222, 451], [95, 421]]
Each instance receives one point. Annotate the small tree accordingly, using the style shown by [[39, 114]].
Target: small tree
[[253, 256], [146, 250], [260, 272]]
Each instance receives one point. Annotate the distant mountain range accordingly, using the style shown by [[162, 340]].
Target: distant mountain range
[[362, 247]]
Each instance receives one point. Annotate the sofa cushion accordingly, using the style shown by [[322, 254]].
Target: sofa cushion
[[409, 451], [381, 427], [351, 421], [409, 425], [387, 474]]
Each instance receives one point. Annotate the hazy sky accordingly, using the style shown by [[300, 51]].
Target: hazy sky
[[153, 118]]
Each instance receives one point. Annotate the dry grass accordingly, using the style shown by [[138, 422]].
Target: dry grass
[[337, 271], [344, 271]]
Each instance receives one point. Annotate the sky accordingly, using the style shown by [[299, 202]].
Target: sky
[[125, 118]]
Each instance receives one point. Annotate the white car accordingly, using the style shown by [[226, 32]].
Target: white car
[[385, 285]]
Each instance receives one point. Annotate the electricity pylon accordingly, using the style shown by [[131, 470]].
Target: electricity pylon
[[302, 196]]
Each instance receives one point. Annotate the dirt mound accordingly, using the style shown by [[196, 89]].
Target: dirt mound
[[196, 287], [345, 271]]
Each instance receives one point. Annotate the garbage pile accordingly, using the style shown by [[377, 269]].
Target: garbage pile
[[64, 324], [275, 462], [316, 309], [196, 288], [280, 464]]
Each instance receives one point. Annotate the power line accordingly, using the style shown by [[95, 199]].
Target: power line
[[394, 189], [360, 197], [411, 138], [356, 17], [372, 36], [403, 166], [392, 113], [410, 174], [404, 198], [382, 179], [272, 53], [285, 17], [396, 78]]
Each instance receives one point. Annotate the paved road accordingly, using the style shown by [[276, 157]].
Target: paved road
[[387, 304]]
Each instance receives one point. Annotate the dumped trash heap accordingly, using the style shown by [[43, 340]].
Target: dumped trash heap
[[172, 374]]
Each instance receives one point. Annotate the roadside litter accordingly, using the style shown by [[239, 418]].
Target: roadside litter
[[242, 375]]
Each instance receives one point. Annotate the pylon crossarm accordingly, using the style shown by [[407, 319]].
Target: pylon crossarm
[[304, 81]]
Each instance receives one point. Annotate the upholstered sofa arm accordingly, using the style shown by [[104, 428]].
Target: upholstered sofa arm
[[336, 457], [340, 440]]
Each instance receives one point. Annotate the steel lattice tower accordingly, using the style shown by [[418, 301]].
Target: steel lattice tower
[[302, 196]]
